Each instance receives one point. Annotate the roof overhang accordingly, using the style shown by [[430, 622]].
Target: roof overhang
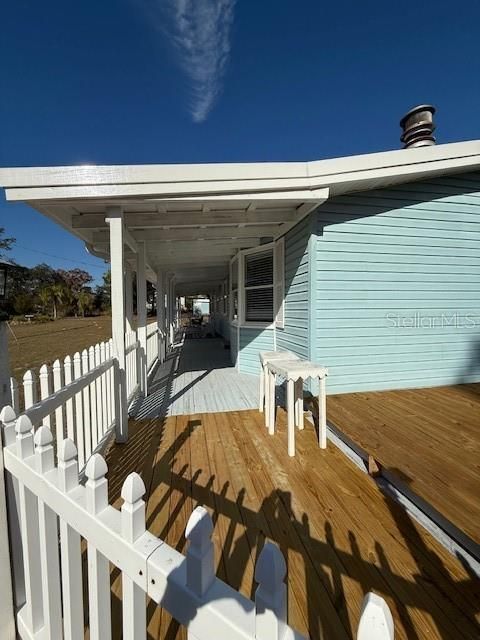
[[196, 217]]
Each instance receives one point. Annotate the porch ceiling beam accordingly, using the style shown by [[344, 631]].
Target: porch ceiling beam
[[208, 233], [155, 220], [186, 262]]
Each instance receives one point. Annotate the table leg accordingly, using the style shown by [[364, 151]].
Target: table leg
[[266, 373], [291, 417], [299, 404], [271, 400], [261, 390], [322, 414]]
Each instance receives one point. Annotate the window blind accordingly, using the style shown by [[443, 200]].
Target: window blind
[[259, 269], [259, 305]]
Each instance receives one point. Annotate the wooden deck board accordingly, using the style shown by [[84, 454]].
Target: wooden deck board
[[197, 377], [428, 438], [340, 535]]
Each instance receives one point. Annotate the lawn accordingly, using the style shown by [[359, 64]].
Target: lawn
[[35, 344]]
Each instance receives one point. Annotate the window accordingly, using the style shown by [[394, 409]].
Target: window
[[258, 286]]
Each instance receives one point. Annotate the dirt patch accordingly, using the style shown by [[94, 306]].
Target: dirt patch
[[36, 344]]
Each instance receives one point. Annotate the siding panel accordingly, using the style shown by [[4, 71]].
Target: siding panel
[[398, 286], [252, 341], [295, 334]]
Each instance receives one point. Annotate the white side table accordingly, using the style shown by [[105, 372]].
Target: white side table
[[266, 357], [296, 372]]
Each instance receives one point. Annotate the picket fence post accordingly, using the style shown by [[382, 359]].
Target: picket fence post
[[376, 622], [31, 613], [98, 565], [29, 388], [7, 613], [271, 594], [200, 553], [133, 526], [48, 528], [70, 549], [15, 395]]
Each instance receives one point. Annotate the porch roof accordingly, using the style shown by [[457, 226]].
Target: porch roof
[[194, 218]]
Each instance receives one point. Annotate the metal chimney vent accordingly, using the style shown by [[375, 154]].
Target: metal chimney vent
[[418, 127]]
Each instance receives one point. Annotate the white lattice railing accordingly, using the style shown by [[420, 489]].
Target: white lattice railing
[[74, 397], [54, 512]]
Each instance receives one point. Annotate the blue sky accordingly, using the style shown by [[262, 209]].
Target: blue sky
[[147, 81]]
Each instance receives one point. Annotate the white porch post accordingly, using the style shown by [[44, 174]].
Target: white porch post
[[142, 316], [161, 315], [129, 297], [117, 263]]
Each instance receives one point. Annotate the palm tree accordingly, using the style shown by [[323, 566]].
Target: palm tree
[[84, 301], [45, 297], [58, 295]]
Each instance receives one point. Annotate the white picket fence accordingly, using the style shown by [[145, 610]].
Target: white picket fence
[[75, 397], [153, 337], [53, 512]]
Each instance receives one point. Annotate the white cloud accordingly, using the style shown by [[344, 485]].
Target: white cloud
[[200, 33]]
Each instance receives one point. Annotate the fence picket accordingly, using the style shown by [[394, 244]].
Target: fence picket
[[104, 390], [271, 594], [376, 622], [133, 526], [70, 549], [31, 614], [15, 395], [48, 537], [77, 373], [45, 389], [69, 404], [93, 400], [29, 388], [108, 385], [87, 423], [98, 382], [98, 565], [57, 385]]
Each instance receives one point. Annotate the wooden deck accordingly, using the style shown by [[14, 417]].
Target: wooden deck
[[340, 535], [197, 377], [428, 438]]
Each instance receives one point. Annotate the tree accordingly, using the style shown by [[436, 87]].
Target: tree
[[85, 301], [5, 243], [75, 279], [45, 298], [103, 293]]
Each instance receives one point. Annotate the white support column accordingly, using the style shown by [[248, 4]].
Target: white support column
[[117, 262], [129, 298], [142, 316], [161, 315]]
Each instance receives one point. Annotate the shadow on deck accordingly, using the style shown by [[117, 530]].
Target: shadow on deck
[[197, 377], [340, 535]]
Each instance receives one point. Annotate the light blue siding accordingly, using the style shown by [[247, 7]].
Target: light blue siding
[[397, 286], [252, 341], [295, 334], [233, 344]]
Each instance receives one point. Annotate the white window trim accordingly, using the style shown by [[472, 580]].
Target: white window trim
[[231, 319]]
